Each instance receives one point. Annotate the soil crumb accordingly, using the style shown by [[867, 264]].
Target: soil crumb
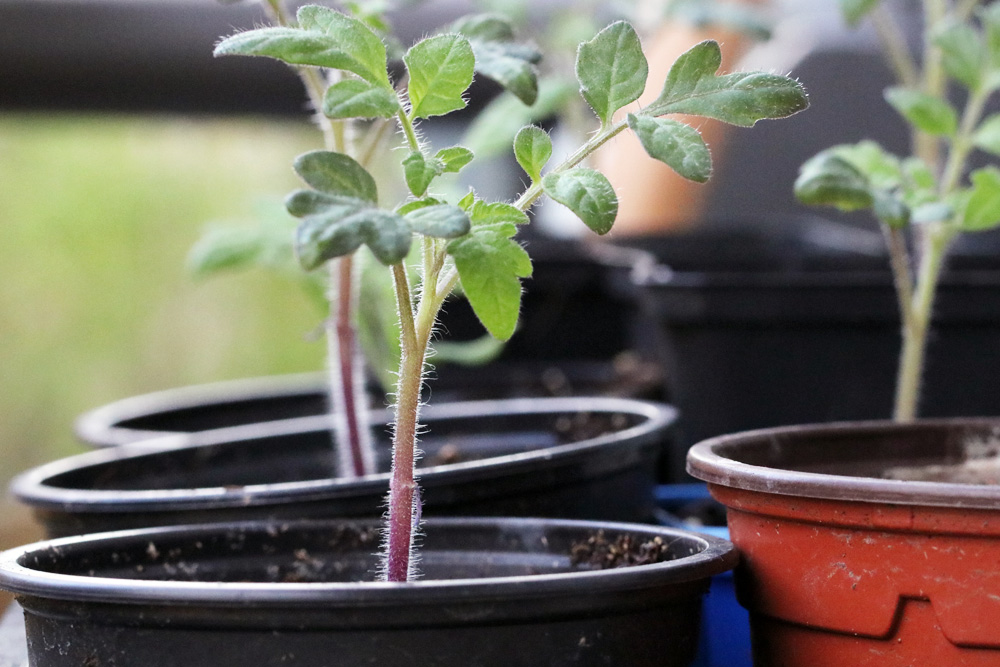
[[602, 553]]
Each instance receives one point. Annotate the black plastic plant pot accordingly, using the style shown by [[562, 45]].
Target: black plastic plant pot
[[591, 458], [492, 592], [760, 332], [256, 400]]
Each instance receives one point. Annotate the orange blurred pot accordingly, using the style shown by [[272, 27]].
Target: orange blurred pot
[[843, 567]]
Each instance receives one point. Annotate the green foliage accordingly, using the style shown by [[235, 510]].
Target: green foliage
[[828, 179], [499, 56], [926, 112], [587, 193], [532, 149], [490, 264], [336, 174], [677, 145], [739, 98], [440, 70], [353, 98], [611, 69], [982, 210], [324, 38]]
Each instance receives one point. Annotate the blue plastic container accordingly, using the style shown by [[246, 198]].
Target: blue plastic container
[[725, 625]]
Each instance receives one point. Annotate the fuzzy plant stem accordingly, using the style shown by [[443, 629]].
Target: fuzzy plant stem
[[911, 360], [417, 325], [352, 438]]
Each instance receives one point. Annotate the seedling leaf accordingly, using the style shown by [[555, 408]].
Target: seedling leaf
[[440, 220], [454, 158], [987, 136], [441, 69], [532, 148], [962, 52], [674, 143], [336, 174], [740, 98], [341, 229], [925, 112], [419, 172], [611, 69], [325, 38], [499, 57], [982, 211], [490, 265], [587, 193], [353, 98], [828, 179]]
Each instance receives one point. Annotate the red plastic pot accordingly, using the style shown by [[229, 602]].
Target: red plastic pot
[[842, 567]]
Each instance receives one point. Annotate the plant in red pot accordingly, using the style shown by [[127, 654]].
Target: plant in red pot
[[877, 543]]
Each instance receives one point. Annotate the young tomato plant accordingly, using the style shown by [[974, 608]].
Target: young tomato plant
[[924, 200], [471, 241]]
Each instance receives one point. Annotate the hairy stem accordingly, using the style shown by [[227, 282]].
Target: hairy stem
[[911, 362], [353, 441], [899, 261], [356, 451], [531, 195], [402, 484]]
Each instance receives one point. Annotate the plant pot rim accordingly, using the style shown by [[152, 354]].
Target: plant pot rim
[[32, 487], [714, 556], [715, 461], [99, 424]]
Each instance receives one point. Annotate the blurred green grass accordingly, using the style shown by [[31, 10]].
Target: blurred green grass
[[97, 214]]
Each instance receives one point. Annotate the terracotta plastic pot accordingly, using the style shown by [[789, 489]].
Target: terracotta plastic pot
[[560, 457], [843, 565], [512, 592]]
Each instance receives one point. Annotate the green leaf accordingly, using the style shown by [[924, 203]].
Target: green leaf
[[352, 98], [339, 231], [987, 136], [830, 180], [923, 111], [982, 211], [441, 69], [454, 158], [336, 174], [485, 27], [510, 66], [677, 145], [587, 193], [855, 10], [416, 204], [532, 149], [935, 211], [325, 38], [490, 265], [611, 69], [420, 172], [740, 98], [962, 52], [499, 57], [485, 214], [442, 221], [881, 168]]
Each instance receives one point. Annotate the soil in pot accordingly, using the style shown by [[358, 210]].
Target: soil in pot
[[494, 592], [566, 457], [844, 565]]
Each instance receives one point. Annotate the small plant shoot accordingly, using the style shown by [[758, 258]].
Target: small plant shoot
[[923, 200], [431, 245]]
